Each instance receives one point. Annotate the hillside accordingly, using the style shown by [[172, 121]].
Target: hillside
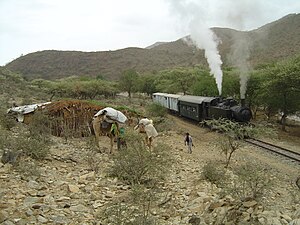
[[271, 42], [72, 186]]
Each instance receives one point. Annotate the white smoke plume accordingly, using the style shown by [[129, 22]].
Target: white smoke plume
[[239, 57], [238, 13], [192, 17], [197, 15]]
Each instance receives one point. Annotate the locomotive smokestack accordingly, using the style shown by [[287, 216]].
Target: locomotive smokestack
[[243, 102]]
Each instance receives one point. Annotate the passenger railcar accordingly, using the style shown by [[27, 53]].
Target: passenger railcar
[[200, 108], [169, 101], [195, 107]]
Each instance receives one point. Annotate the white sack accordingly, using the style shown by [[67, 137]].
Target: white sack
[[150, 131], [112, 114], [149, 128], [145, 121]]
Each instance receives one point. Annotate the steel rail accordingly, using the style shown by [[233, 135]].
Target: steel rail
[[274, 148]]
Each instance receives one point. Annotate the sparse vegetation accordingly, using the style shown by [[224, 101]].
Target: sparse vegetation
[[138, 165], [136, 210], [28, 169], [228, 146], [251, 181], [91, 156], [214, 174], [6, 121], [294, 191], [156, 110], [230, 128]]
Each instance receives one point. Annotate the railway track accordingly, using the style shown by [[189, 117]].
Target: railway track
[[295, 156]]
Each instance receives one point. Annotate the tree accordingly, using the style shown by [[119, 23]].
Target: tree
[[176, 80], [148, 84], [183, 78], [128, 81], [253, 93], [205, 84], [282, 88], [231, 83]]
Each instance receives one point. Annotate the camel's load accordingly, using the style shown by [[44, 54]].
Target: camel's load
[[146, 125], [111, 115]]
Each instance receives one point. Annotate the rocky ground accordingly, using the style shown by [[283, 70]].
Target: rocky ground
[[71, 189]]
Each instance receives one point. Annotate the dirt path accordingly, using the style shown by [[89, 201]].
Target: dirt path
[[283, 172]]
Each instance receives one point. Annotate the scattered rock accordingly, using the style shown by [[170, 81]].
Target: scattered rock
[[73, 188], [249, 204], [3, 216]]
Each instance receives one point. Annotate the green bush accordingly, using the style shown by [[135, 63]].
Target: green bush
[[34, 148], [32, 140], [135, 210], [6, 121], [238, 130], [252, 181], [28, 169], [137, 164], [156, 110], [39, 126], [214, 174], [228, 146], [162, 124]]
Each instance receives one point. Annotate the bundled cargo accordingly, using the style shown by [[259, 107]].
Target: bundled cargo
[[112, 115]]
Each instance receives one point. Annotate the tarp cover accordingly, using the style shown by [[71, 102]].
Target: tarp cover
[[113, 114], [25, 109]]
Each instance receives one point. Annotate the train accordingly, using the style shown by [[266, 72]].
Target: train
[[201, 108]]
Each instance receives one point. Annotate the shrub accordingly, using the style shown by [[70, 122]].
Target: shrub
[[238, 130], [25, 143], [6, 121], [36, 149], [163, 124], [155, 110], [28, 169], [228, 146], [138, 165], [214, 174], [294, 192], [135, 210], [92, 154], [39, 127], [252, 181]]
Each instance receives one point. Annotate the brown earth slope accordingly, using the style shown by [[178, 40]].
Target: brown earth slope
[[68, 192]]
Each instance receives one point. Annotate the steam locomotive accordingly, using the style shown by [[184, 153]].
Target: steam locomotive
[[200, 108]]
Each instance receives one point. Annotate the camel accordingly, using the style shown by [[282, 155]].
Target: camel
[[106, 122], [101, 128], [146, 127]]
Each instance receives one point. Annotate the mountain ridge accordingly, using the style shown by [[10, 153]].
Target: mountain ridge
[[271, 42]]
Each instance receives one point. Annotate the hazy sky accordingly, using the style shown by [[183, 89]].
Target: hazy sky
[[98, 25]]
